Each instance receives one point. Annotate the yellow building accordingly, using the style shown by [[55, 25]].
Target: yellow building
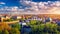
[[4, 18], [16, 17]]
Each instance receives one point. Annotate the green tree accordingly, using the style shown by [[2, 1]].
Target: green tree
[[51, 28], [14, 31], [16, 25], [5, 32], [41, 27], [0, 31], [33, 22]]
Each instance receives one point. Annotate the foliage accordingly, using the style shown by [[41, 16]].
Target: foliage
[[14, 31], [45, 28], [33, 22], [8, 20], [4, 26], [5, 32], [7, 29], [16, 25], [0, 31], [37, 27]]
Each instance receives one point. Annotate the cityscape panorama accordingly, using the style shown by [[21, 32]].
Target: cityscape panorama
[[29, 16]]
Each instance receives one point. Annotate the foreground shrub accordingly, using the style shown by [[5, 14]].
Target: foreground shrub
[[14, 31], [5, 32]]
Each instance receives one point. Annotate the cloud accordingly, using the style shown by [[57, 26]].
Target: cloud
[[49, 7], [14, 8], [2, 3], [35, 8]]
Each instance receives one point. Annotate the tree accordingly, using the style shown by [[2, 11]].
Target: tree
[[5, 26], [14, 31], [16, 25], [5, 32], [33, 22], [0, 31], [52, 28]]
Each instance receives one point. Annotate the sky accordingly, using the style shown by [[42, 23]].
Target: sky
[[17, 2], [30, 6]]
